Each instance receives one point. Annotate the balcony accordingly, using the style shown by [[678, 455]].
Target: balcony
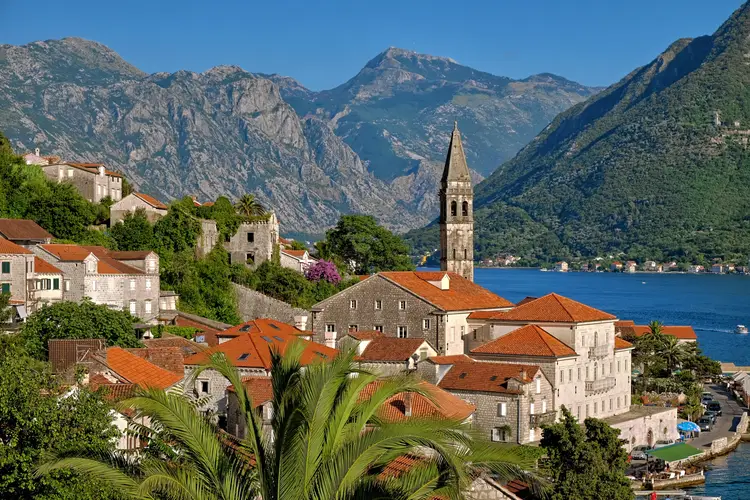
[[601, 385], [600, 351], [539, 419]]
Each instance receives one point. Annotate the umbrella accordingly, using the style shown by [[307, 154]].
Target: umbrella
[[688, 427]]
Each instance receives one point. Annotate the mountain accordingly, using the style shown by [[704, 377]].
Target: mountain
[[372, 145], [656, 165]]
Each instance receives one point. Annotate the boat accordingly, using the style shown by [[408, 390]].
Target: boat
[[740, 329]]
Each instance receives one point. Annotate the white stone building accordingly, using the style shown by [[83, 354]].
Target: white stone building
[[153, 208]]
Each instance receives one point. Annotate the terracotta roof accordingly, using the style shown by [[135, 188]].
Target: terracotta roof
[[151, 201], [529, 340], [554, 308], [138, 371], [399, 465], [621, 343], [526, 300], [23, 229], [390, 349], [487, 377], [253, 350], [462, 294], [681, 332], [450, 360], [483, 314], [116, 392], [365, 334], [208, 333], [65, 252], [297, 254], [75, 253], [186, 347], [41, 266], [169, 358], [260, 389], [443, 404], [130, 255], [264, 326], [9, 248], [92, 168]]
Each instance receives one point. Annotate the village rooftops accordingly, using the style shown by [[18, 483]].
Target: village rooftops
[[92, 168], [23, 230], [682, 332], [297, 254], [106, 263], [446, 291], [439, 404], [263, 326], [151, 201], [136, 370], [9, 248], [487, 377], [131, 255], [186, 347], [529, 340], [260, 389], [552, 308], [364, 334], [41, 266], [450, 360], [390, 349], [621, 343]]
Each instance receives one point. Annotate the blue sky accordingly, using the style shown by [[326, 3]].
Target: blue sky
[[322, 44]]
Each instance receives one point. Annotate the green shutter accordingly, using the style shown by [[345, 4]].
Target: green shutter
[[6, 267], [6, 286], [56, 284]]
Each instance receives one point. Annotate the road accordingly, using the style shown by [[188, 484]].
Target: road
[[726, 424]]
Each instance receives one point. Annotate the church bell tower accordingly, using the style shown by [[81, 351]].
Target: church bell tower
[[457, 212]]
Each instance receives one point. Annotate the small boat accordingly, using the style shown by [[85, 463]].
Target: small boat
[[740, 329]]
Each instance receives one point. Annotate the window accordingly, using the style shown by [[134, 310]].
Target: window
[[531, 409], [132, 307], [204, 386], [148, 283], [562, 373], [56, 284], [575, 390], [91, 266], [579, 373], [578, 413], [454, 254], [626, 364], [5, 287], [596, 406], [151, 265], [466, 254], [378, 328], [67, 285], [352, 304], [465, 209], [532, 435], [378, 305], [463, 331], [250, 258], [147, 307], [496, 434], [587, 373], [618, 402], [402, 305], [422, 354], [251, 237], [587, 410], [132, 284], [401, 332], [502, 409], [610, 404], [474, 334], [93, 285], [353, 328], [425, 324], [618, 366], [538, 382], [544, 406], [330, 327], [454, 208], [70, 172], [570, 374], [611, 367], [6, 267]]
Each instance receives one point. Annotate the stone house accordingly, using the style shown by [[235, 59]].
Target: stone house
[[24, 232], [630, 266], [153, 208], [252, 244], [561, 267], [48, 282], [260, 390], [385, 356], [92, 180], [17, 278], [130, 284], [512, 401], [574, 344], [434, 368], [408, 304], [299, 260]]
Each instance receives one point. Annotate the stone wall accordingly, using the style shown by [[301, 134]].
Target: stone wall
[[207, 239], [253, 243], [252, 305], [215, 400]]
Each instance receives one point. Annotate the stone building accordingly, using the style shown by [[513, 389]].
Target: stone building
[[252, 244], [386, 356], [299, 260], [92, 180], [409, 304], [153, 208], [48, 282], [24, 232], [512, 401], [260, 390], [574, 345], [456, 212], [130, 284], [17, 278]]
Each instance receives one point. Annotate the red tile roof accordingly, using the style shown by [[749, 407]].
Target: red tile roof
[[260, 389], [298, 254], [41, 266], [186, 347], [130, 255], [526, 300], [251, 350], [390, 349], [483, 314], [75, 253], [621, 343], [443, 405], [138, 371], [681, 332], [487, 377], [264, 326], [116, 392], [92, 168], [169, 358], [554, 308], [151, 201], [462, 295], [450, 360], [9, 248], [23, 229], [365, 334], [529, 340]]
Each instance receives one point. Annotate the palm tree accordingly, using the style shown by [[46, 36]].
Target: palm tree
[[248, 206], [655, 327], [326, 441], [671, 351]]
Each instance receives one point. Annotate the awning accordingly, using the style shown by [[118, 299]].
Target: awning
[[674, 452], [688, 427], [21, 312]]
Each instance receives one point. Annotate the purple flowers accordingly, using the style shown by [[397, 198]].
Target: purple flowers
[[323, 270]]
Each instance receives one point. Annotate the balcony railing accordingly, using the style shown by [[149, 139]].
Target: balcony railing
[[539, 419], [601, 385], [600, 351]]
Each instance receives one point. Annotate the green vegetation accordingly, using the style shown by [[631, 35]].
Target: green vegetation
[[585, 464], [329, 442], [72, 320]]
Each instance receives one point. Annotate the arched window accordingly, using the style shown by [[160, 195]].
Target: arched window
[[454, 208], [465, 209], [596, 339]]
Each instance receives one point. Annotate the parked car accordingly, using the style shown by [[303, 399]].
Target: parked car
[[639, 452], [663, 442], [712, 415], [715, 407], [707, 399], [705, 423]]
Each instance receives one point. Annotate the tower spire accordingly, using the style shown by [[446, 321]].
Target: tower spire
[[456, 168]]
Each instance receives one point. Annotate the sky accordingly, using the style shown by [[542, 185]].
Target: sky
[[324, 43]]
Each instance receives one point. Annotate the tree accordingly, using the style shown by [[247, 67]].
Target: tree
[[364, 246], [298, 245], [248, 206], [36, 418], [585, 465], [71, 320], [179, 229], [133, 232], [670, 350], [326, 441], [323, 270], [655, 327], [5, 311], [61, 210]]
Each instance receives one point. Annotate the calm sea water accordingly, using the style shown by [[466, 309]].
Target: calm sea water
[[728, 476]]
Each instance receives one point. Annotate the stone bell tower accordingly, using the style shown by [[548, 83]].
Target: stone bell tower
[[457, 212]]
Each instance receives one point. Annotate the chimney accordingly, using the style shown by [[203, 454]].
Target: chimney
[[300, 322], [407, 404], [445, 283], [37, 152], [523, 375], [101, 171]]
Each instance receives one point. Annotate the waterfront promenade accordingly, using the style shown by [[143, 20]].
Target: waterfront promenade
[[726, 424]]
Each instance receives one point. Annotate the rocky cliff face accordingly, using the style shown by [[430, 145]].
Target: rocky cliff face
[[373, 145]]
